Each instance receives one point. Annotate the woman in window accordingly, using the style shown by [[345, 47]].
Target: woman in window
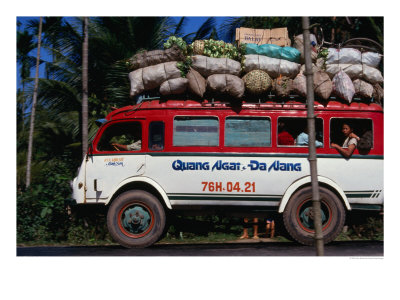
[[350, 143]]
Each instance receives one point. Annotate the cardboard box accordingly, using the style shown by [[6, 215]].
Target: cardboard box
[[276, 36]]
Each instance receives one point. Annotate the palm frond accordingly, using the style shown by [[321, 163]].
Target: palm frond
[[205, 29]]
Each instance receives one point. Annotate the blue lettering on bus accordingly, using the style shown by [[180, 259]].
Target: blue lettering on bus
[[278, 166], [253, 165], [179, 165]]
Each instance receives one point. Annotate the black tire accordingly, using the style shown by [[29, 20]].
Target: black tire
[[136, 219], [299, 224]]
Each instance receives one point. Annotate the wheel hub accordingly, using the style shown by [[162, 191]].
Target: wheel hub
[[307, 217], [136, 220]]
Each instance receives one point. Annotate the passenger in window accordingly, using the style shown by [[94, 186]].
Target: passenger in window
[[135, 146], [349, 144], [284, 137], [302, 139]]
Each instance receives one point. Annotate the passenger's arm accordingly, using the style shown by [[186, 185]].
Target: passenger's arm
[[120, 147], [346, 152]]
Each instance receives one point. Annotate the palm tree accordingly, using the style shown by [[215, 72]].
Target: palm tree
[[85, 50], [52, 31], [207, 30], [25, 45], [32, 123]]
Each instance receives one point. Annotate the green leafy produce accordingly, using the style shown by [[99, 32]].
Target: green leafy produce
[[173, 40], [184, 66], [216, 49]]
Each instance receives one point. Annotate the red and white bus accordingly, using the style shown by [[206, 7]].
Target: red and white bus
[[157, 157]]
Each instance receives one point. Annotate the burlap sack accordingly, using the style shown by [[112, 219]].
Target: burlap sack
[[273, 66], [363, 89], [342, 86], [226, 84], [197, 84], [359, 71], [366, 141], [315, 68], [257, 82], [174, 86], [282, 86], [377, 95], [299, 45], [299, 85], [152, 77], [322, 85], [207, 66], [155, 57]]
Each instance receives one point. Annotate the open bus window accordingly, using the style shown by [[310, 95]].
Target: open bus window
[[293, 132], [156, 136], [196, 131], [247, 132], [124, 136], [361, 127]]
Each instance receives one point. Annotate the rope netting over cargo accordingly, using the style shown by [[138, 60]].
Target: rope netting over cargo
[[208, 69]]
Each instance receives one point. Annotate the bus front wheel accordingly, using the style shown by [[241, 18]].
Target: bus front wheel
[[136, 219], [298, 216]]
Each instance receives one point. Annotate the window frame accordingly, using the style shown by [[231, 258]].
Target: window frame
[[352, 118], [197, 117], [246, 116], [299, 146], [107, 126]]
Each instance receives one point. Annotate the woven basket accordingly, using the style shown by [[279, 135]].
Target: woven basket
[[257, 82], [198, 47]]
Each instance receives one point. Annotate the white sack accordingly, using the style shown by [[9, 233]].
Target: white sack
[[353, 56], [342, 86], [273, 66], [365, 72], [149, 78], [207, 66]]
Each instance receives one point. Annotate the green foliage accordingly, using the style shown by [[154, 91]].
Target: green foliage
[[221, 49], [41, 211], [184, 66], [173, 40]]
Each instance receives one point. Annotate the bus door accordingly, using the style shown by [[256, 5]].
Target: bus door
[[117, 155]]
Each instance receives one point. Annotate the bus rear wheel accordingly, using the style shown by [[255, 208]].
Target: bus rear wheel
[[298, 216], [136, 219]]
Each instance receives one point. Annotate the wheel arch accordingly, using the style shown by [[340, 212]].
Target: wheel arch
[[140, 183], [306, 181]]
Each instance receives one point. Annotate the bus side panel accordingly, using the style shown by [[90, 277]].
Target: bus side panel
[[221, 179], [360, 178]]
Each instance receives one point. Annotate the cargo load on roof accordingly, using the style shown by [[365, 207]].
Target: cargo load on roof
[[261, 63]]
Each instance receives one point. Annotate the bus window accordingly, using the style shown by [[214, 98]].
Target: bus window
[[247, 132], [361, 127], [156, 136], [293, 131], [123, 136], [196, 131]]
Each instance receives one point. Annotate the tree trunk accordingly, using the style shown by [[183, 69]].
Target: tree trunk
[[33, 110], [85, 50], [312, 157]]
